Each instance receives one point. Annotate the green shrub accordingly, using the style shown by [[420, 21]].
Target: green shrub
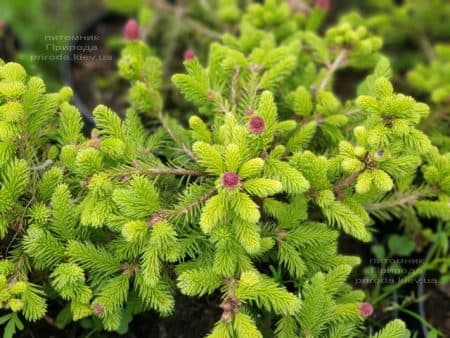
[[246, 203]]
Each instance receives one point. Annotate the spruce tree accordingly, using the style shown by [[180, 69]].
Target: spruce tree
[[270, 169]]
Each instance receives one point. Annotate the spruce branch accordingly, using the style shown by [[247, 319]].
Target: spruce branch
[[174, 11], [231, 304], [172, 44], [174, 171], [190, 207], [341, 185], [338, 62], [255, 70], [320, 119], [160, 171], [20, 226], [234, 85], [426, 46], [399, 199], [217, 98], [184, 147], [44, 166]]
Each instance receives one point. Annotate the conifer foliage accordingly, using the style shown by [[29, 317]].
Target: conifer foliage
[[272, 167]]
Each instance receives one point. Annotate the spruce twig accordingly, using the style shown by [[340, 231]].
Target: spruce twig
[[195, 204], [161, 171], [42, 167], [344, 183], [234, 85], [165, 125], [426, 46], [399, 200], [331, 70], [171, 11]]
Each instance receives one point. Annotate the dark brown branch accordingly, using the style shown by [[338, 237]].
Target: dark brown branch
[[344, 183]]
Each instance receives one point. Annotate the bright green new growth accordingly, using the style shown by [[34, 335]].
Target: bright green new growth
[[266, 175]]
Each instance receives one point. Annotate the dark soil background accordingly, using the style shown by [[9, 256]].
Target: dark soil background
[[192, 318], [9, 43], [95, 61]]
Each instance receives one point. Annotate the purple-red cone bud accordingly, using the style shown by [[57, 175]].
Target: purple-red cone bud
[[98, 309], [323, 4], [230, 180], [189, 54], [256, 125], [131, 30], [366, 309]]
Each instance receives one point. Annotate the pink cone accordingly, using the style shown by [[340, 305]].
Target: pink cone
[[366, 309], [230, 180], [256, 125], [323, 4], [131, 30], [189, 54], [98, 309]]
